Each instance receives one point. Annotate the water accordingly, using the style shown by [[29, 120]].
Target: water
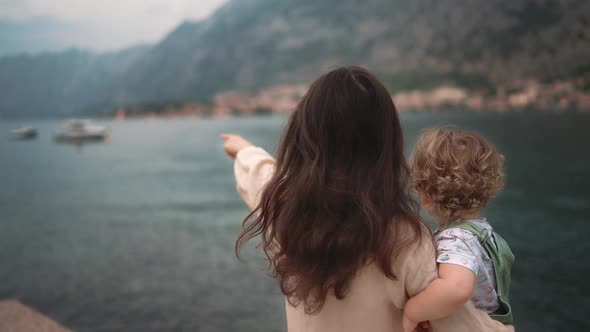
[[137, 234]]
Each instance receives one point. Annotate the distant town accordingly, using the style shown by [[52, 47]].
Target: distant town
[[527, 95]]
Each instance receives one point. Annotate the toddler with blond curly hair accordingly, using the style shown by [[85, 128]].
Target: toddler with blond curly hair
[[456, 174]]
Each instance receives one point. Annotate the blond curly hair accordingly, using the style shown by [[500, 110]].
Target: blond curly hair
[[458, 171]]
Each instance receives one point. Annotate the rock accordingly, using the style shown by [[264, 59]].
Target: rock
[[16, 317]]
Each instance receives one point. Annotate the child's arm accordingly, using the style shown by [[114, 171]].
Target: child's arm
[[443, 296]]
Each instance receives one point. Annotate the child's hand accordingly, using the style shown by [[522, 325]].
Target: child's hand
[[232, 144], [408, 325], [423, 326]]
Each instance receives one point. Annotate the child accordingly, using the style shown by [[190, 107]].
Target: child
[[456, 174]]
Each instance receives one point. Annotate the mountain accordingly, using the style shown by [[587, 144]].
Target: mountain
[[250, 44], [59, 84]]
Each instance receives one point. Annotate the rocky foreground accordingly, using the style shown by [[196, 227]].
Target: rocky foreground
[[16, 317]]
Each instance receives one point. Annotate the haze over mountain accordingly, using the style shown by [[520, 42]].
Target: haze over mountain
[[30, 26], [38, 35], [250, 44], [62, 83]]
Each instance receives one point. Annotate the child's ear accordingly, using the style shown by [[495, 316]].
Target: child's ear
[[424, 199]]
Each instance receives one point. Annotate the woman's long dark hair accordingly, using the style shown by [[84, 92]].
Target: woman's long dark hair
[[339, 193]]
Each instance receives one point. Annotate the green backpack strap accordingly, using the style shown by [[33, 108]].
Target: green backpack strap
[[502, 258]]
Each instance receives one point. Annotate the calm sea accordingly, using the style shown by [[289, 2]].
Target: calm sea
[[136, 234]]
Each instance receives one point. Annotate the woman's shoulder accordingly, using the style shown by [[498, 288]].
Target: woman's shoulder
[[415, 264], [419, 243], [416, 248], [413, 232]]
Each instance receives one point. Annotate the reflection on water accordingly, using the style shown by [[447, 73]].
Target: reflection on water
[[137, 234], [79, 144]]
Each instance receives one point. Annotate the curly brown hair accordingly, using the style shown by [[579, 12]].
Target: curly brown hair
[[458, 171], [340, 196]]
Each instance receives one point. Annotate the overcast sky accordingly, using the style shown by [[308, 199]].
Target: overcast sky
[[36, 25]]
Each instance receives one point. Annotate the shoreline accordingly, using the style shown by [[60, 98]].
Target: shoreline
[[563, 96]]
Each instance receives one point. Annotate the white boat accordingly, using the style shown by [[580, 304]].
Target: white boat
[[25, 133], [81, 130]]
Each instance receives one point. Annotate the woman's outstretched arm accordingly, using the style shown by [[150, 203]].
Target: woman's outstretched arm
[[253, 167]]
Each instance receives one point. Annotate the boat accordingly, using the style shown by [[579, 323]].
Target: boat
[[81, 130], [25, 133]]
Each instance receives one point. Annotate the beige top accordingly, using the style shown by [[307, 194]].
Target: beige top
[[373, 303]]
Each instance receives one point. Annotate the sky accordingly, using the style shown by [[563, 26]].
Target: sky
[[49, 25]]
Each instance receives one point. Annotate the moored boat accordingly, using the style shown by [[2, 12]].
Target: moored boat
[[81, 130], [25, 133]]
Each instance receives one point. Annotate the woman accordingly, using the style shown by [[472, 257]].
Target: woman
[[337, 222]]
